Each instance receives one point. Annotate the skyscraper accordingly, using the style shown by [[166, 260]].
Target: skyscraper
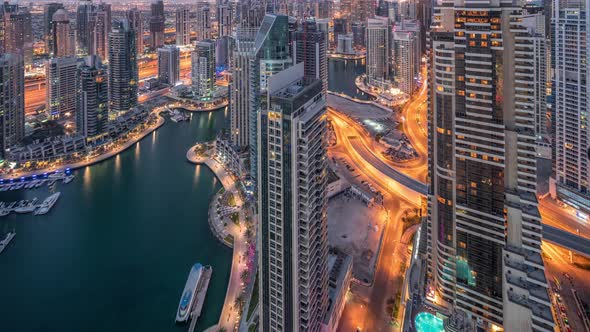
[[203, 21], [203, 69], [83, 27], [378, 50], [60, 83], [157, 20], [485, 231], [406, 57], [169, 65], [571, 88], [12, 101], [18, 34], [48, 10], [136, 22], [271, 55], [310, 47], [92, 108], [62, 41], [224, 18], [100, 26], [292, 204], [240, 87], [123, 72], [183, 31]]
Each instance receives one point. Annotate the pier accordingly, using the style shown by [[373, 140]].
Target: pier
[[199, 299]]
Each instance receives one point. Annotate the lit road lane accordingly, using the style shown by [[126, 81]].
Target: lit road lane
[[415, 169], [365, 309], [563, 217], [567, 240], [415, 120], [388, 171]]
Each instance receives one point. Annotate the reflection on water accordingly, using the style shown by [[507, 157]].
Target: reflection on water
[[87, 178], [118, 165], [197, 174], [137, 151]]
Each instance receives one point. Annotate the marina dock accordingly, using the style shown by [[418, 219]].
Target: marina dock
[[200, 297], [28, 206]]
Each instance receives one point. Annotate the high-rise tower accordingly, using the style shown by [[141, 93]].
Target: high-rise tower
[[48, 10], [571, 88], [123, 72], [157, 20], [378, 50], [484, 227], [136, 22], [169, 65], [183, 31], [203, 68], [310, 47], [62, 41], [12, 101], [240, 87], [292, 203], [93, 98], [60, 78]]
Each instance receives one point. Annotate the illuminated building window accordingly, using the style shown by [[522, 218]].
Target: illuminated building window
[[461, 92], [484, 44], [472, 43]]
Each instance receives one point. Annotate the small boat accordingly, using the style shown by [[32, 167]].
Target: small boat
[[47, 204], [25, 208], [4, 212], [68, 179], [4, 243], [56, 176]]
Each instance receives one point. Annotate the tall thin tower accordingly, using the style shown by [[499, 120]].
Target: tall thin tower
[[292, 204]]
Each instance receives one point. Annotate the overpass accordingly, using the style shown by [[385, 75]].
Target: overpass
[[571, 241], [551, 234]]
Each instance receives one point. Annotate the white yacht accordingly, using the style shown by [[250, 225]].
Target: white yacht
[[4, 243], [47, 204]]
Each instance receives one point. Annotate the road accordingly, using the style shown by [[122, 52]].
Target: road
[[35, 92], [368, 155], [566, 239], [557, 264], [366, 307], [563, 217]]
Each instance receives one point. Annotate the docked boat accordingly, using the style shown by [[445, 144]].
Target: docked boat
[[4, 243], [188, 294], [57, 176], [47, 204], [4, 212], [68, 179], [26, 208]]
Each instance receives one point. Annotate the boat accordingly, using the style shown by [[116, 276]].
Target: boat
[[56, 176], [188, 294], [4, 243], [26, 208], [47, 204], [68, 179], [4, 212]]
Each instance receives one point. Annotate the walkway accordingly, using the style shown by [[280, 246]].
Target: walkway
[[136, 138], [229, 314]]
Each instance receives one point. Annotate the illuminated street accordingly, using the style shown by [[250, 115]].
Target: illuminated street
[[563, 217], [366, 306]]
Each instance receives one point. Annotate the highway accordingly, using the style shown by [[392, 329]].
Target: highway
[[566, 239], [387, 170]]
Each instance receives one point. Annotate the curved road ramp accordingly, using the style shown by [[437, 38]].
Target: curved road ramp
[[551, 234]]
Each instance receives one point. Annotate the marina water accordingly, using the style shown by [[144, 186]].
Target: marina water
[[114, 252]]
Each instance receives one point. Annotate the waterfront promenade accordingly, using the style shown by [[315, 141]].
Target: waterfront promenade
[[230, 315], [90, 161]]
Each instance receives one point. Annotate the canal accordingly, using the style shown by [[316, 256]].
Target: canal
[[115, 251]]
